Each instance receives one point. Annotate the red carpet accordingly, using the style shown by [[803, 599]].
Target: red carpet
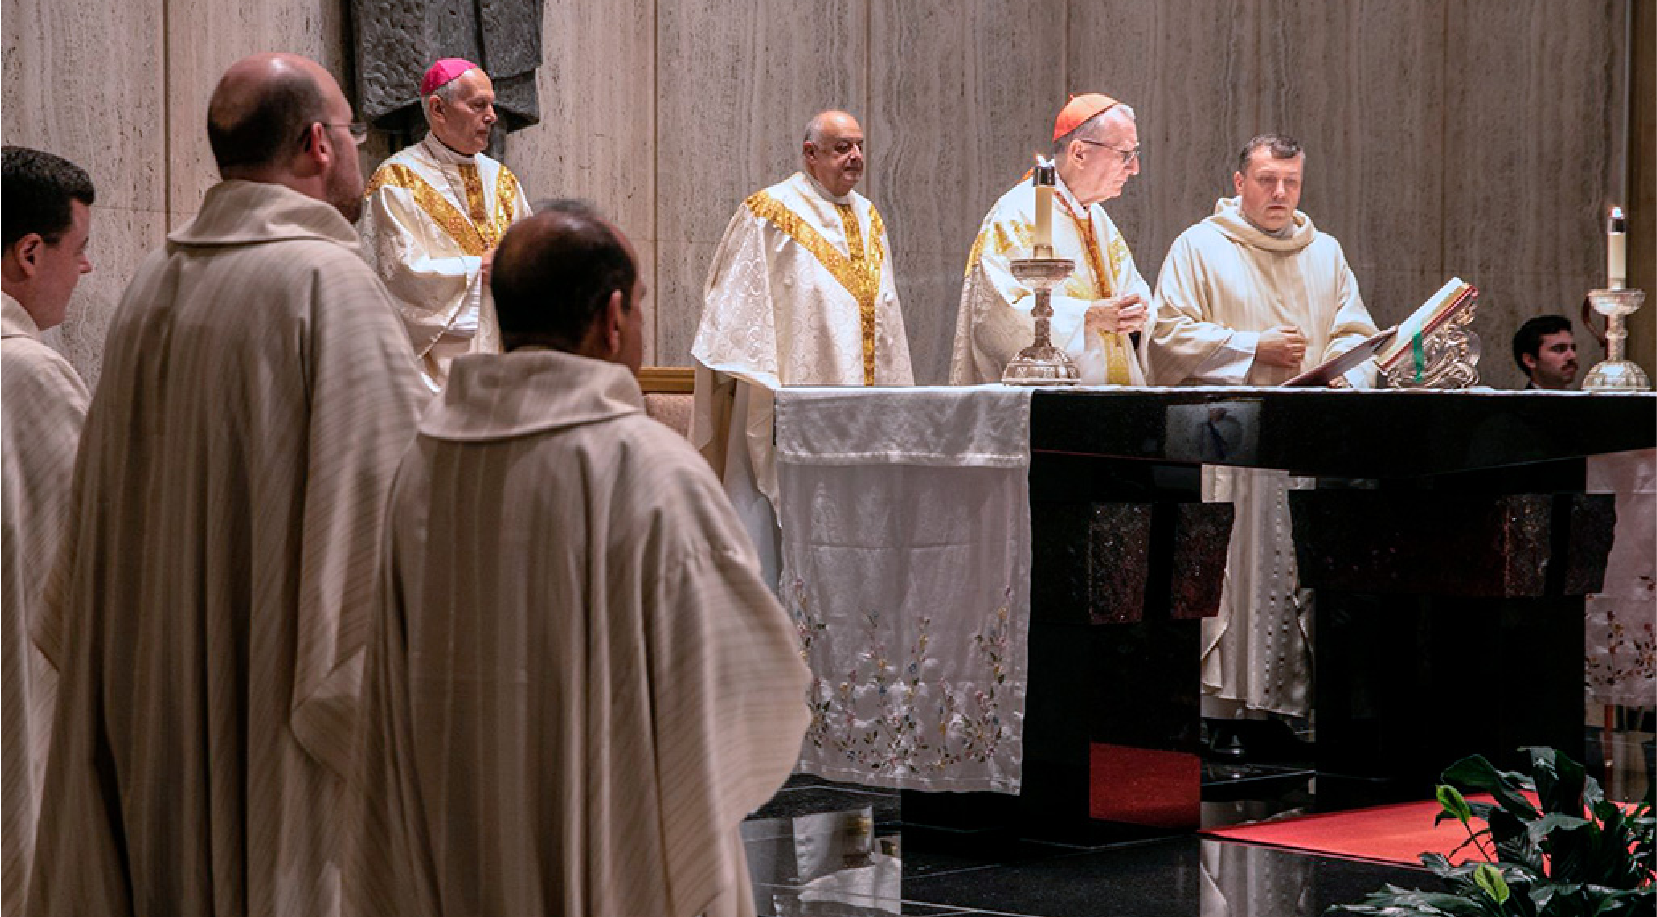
[[1384, 834]]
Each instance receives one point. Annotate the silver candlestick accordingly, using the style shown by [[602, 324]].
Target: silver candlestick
[[1616, 373], [1041, 363]]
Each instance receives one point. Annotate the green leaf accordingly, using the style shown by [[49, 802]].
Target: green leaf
[[1539, 829], [1455, 805], [1477, 772], [1490, 880], [1559, 780]]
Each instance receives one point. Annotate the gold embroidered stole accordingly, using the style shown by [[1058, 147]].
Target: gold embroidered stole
[[858, 271], [1117, 354], [475, 231]]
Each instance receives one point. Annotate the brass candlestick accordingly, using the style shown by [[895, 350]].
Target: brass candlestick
[[1041, 363]]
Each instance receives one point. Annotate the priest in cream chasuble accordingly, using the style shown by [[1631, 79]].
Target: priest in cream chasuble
[[800, 293], [1255, 295], [433, 215], [1099, 310]]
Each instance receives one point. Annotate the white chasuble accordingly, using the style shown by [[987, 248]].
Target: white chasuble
[[994, 322], [577, 685], [40, 426], [429, 217], [206, 618], [800, 292]]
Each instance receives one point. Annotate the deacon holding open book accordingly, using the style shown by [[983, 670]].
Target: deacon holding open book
[[1255, 295]]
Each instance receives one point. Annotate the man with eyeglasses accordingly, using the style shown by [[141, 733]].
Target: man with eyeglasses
[[207, 612], [1101, 310], [435, 212], [1254, 295], [800, 293]]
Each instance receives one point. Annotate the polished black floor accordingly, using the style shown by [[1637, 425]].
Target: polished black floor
[[823, 849], [820, 848]]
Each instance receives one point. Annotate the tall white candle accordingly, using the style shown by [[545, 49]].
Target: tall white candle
[[1616, 251], [1043, 179]]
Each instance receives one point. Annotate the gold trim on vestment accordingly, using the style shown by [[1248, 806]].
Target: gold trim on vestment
[[506, 204], [858, 274], [865, 308], [1116, 349], [476, 207], [475, 237]]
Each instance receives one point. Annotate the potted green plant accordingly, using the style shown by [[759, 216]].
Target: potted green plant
[[1571, 853]]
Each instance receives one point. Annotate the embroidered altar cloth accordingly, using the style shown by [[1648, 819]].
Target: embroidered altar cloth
[[905, 518]]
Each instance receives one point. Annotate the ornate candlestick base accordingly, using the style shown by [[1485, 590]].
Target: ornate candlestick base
[[1041, 363], [1615, 374]]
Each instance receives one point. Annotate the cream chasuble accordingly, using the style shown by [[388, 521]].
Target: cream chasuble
[[994, 321], [577, 685], [430, 216], [799, 293], [1225, 281], [40, 426], [207, 616]]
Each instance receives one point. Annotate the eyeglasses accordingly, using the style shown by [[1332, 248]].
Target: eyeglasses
[[1127, 155], [357, 129]]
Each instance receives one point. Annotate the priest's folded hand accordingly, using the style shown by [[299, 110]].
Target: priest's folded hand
[[1118, 314], [1282, 345]]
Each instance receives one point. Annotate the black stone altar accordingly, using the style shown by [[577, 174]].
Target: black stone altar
[[1448, 539], [1449, 543]]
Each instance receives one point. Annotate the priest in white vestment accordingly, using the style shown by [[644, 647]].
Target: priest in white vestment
[[1254, 295], [577, 684], [435, 212], [47, 202], [1101, 310], [800, 293], [207, 616]]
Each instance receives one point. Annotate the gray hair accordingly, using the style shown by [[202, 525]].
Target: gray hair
[[446, 92], [1282, 146], [1090, 129]]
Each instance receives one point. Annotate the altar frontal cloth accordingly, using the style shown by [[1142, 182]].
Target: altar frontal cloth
[[905, 516]]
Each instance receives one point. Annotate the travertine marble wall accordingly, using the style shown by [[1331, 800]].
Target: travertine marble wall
[[1475, 138]]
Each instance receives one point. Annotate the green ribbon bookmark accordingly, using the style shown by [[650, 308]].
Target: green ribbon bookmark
[[1419, 351]]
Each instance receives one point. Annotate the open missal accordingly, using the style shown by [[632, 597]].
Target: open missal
[[1391, 345]]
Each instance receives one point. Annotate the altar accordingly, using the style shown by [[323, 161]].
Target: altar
[[1449, 541]]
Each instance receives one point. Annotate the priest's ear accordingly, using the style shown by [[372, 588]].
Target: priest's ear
[[613, 324], [318, 146], [22, 258]]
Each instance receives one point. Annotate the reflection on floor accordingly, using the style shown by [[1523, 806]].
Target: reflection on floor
[[834, 850]]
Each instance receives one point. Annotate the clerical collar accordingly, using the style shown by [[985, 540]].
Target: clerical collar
[[442, 152]]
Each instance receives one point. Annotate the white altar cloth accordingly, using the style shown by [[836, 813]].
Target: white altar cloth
[[1622, 618], [905, 517]]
